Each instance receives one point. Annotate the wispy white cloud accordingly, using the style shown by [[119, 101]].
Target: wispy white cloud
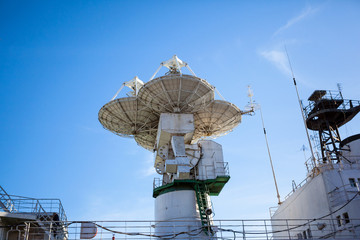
[[307, 12], [278, 58]]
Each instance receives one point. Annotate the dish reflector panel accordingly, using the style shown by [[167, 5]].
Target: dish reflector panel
[[146, 139], [175, 93], [217, 119], [127, 117]]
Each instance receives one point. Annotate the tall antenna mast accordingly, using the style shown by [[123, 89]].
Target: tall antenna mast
[[253, 107], [302, 111], [272, 167]]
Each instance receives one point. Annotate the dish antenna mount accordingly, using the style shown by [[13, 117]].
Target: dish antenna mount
[[174, 65]]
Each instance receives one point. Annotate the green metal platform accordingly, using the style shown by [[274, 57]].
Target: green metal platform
[[214, 186]]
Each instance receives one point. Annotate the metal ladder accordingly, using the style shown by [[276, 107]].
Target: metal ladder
[[6, 203], [201, 197]]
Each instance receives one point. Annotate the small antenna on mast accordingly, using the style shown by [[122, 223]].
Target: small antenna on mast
[[174, 65], [250, 94], [134, 84], [301, 108], [304, 148], [340, 89], [252, 107]]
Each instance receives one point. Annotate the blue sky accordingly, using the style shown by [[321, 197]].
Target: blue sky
[[61, 61]]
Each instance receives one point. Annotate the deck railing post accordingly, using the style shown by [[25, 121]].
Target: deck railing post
[[221, 231], [266, 232], [27, 230], [243, 226], [50, 230], [125, 229], [288, 230]]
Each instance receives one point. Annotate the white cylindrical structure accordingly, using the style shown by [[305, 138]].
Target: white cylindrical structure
[[177, 212], [351, 148]]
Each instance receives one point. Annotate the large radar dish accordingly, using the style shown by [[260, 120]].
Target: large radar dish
[[138, 115], [177, 93], [217, 119], [128, 117]]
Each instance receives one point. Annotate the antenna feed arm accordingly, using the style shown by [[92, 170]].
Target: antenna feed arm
[[118, 91], [250, 112]]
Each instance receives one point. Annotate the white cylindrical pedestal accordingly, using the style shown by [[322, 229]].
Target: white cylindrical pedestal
[[177, 212]]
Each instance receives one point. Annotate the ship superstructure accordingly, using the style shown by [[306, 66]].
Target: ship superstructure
[[31, 218], [329, 196]]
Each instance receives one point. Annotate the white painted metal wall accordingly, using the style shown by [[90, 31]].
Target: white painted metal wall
[[179, 205], [354, 150], [329, 193], [211, 164]]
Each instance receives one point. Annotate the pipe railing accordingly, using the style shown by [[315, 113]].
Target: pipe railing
[[43, 207], [221, 169], [222, 229], [346, 105]]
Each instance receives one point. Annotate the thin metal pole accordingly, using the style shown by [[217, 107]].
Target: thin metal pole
[[288, 230], [266, 231], [152, 77], [27, 230], [268, 149], [244, 236], [302, 110], [151, 230], [50, 230], [219, 94], [188, 67], [221, 232], [125, 229], [118, 91]]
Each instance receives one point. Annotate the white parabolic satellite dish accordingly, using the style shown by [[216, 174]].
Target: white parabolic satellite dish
[[138, 116], [177, 93], [127, 117], [217, 119]]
